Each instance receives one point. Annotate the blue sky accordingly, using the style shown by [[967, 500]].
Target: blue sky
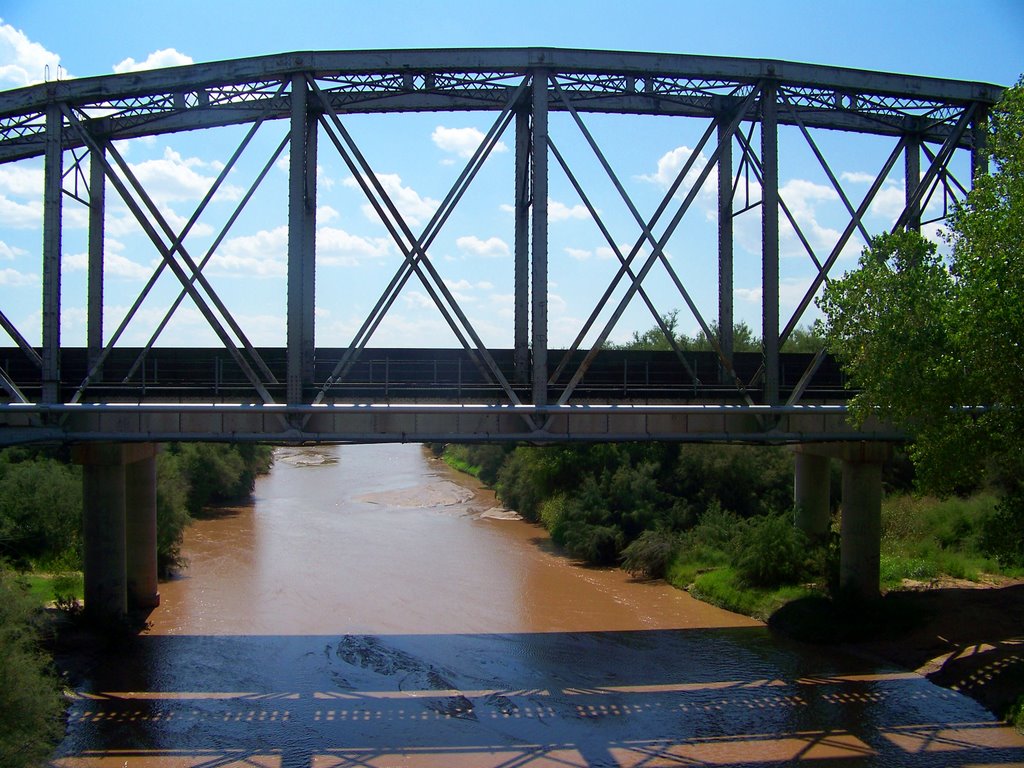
[[417, 156]]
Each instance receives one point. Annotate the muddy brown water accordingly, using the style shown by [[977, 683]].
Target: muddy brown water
[[370, 608]]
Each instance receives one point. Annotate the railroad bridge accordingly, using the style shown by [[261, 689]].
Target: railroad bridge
[[115, 402]]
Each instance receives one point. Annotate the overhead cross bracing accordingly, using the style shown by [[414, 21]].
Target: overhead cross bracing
[[78, 127]]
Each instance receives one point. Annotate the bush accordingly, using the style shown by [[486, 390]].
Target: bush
[[771, 551], [596, 544], [219, 473], [172, 517], [30, 703], [1002, 533], [650, 554], [40, 510]]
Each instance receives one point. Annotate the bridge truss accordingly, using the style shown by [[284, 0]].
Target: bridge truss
[[536, 393]]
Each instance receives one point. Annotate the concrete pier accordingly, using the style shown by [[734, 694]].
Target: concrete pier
[[140, 532], [811, 493], [861, 527], [119, 527], [860, 550]]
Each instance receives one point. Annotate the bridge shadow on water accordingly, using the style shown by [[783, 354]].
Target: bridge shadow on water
[[720, 697]]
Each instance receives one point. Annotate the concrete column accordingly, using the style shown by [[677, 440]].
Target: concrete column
[[861, 532], [103, 529], [140, 529], [811, 491]]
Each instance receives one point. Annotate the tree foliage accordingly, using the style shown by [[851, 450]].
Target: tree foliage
[[925, 337], [806, 339], [30, 703]]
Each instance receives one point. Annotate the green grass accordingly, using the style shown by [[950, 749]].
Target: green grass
[[724, 588], [455, 457], [41, 586], [924, 538]]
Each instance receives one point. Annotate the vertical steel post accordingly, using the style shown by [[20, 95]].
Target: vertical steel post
[[725, 245], [301, 243], [979, 150], [539, 244], [97, 206], [522, 248], [52, 207], [912, 172], [770, 241]]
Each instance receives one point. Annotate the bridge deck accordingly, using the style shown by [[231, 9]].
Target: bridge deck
[[424, 395]]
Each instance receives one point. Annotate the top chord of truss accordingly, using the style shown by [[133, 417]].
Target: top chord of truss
[[239, 91]]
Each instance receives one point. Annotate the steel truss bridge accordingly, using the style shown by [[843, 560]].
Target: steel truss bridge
[[109, 392]]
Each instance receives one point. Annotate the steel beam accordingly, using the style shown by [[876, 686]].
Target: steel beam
[[770, 241], [97, 220], [911, 180], [52, 229], [539, 244], [301, 243], [521, 277], [979, 150], [725, 249]]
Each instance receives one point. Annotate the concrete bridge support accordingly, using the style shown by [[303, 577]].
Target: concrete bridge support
[[812, 482], [119, 528], [861, 529]]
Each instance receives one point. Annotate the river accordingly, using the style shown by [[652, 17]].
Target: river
[[370, 608]]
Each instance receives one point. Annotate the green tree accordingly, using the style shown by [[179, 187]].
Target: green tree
[[172, 517], [40, 510], [654, 337], [925, 338], [30, 702]]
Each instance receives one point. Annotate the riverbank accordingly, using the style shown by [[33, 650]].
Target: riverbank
[[966, 635]]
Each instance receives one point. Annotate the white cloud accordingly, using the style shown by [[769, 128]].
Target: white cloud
[[889, 202], [672, 162], [560, 211], [20, 215], [24, 61], [336, 247], [264, 254], [166, 57], [115, 264], [325, 213], [21, 179], [175, 178], [602, 252], [579, 254], [856, 177], [415, 209], [14, 278], [10, 252], [491, 247], [461, 141]]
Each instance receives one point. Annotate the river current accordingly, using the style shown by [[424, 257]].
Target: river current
[[371, 608]]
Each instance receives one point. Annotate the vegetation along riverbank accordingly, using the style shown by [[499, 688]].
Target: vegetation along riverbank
[[41, 555], [718, 521]]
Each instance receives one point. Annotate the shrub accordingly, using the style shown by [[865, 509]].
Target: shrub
[[1002, 532], [597, 544], [30, 703], [40, 510], [771, 551], [172, 517], [650, 554]]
